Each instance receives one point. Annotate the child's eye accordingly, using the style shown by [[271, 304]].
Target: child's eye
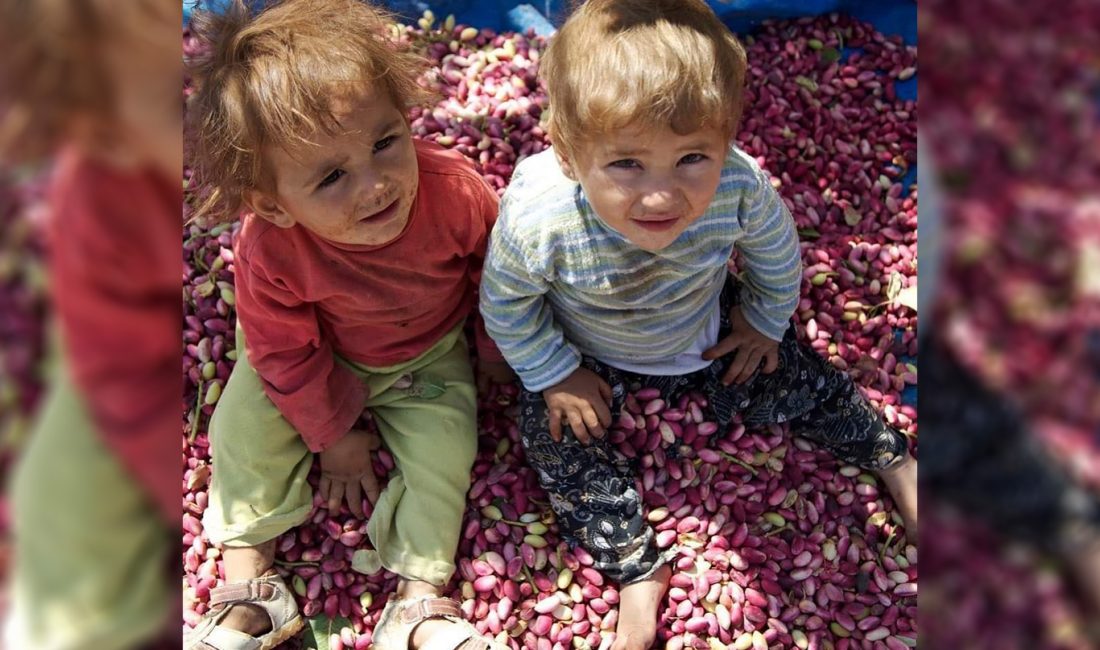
[[384, 143], [626, 163], [333, 176], [692, 158]]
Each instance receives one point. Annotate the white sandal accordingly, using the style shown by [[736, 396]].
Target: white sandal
[[267, 592], [400, 618]]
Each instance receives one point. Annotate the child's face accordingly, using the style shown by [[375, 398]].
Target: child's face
[[649, 184], [356, 187]]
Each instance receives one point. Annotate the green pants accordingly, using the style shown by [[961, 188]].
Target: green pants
[[259, 489], [90, 550]]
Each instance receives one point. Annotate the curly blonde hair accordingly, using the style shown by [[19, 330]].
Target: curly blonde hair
[[271, 79], [650, 63]]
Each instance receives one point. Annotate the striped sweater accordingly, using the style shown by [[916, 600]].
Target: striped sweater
[[558, 283]]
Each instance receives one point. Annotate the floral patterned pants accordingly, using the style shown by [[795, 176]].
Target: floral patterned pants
[[593, 493]]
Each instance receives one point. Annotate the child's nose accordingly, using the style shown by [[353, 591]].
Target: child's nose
[[372, 187], [660, 199]]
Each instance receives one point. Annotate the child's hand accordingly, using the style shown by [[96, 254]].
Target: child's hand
[[584, 400], [751, 346], [346, 471], [493, 372]]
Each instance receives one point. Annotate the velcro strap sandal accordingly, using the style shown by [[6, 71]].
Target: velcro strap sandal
[[400, 618], [267, 592]]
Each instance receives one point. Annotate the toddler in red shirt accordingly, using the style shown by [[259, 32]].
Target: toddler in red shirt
[[355, 270]]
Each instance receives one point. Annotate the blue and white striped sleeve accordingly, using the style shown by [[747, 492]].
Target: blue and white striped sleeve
[[772, 261], [517, 315]]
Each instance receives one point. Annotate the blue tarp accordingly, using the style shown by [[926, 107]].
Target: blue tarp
[[889, 16], [892, 17]]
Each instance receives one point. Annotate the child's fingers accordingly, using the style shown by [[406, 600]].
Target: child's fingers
[[335, 494], [722, 348], [324, 487], [370, 486], [592, 421], [605, 393], [576, 422], [555, 425], [731, 372], [354, 498], [602, 412], [771, 361], [737, 364], [752, 362]]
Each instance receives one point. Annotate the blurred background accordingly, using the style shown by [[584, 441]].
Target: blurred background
[[90, 157], [1010, 345]]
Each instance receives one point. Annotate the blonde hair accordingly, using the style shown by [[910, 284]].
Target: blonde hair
[[650, 63], [56, 80], [272, 80]]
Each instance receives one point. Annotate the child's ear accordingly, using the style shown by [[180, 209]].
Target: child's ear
[[268, 208], [566, 165]]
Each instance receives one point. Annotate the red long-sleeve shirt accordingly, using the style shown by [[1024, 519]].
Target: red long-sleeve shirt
[[115, 283], [302, 299]]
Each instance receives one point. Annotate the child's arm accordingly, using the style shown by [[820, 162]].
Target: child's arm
[[770, 287], [319, 397], [521, 321], [491, 366], [772, 262], [517, 316]]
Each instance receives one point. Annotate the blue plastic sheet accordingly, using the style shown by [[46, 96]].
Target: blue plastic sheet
[[888, 16], [892, 17]]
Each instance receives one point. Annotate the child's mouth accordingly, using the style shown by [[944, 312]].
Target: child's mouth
[[383, 215], [657, 222]]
